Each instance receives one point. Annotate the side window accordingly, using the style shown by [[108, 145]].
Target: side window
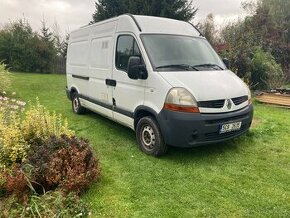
[[126, 48]]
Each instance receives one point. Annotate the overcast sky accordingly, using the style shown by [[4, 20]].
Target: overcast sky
[[71, 14]]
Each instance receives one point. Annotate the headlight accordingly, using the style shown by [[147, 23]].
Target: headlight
[[179, 99], [249, 96]]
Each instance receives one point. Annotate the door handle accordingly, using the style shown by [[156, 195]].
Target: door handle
[[111, 82]]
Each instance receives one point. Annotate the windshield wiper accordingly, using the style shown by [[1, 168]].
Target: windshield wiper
[[209, 65], [180, 66]]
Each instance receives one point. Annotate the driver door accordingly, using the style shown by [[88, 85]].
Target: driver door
[[128, 94]]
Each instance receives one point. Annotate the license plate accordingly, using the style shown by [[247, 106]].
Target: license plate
[[230, 127]]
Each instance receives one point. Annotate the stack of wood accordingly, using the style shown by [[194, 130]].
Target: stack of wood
[[278, 97]]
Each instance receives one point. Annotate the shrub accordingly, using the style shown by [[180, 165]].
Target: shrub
[[265, 72], [51, 204], [4, 78], [66, 163], [14, 182], [38, 153], [13, 147], [39, 123]]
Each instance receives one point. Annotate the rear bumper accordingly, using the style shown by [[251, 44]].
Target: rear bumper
[[191, 130]]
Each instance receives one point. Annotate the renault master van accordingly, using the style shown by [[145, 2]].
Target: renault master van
[[161, 78]]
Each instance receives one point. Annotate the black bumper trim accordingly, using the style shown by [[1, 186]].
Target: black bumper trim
[[191, 130]]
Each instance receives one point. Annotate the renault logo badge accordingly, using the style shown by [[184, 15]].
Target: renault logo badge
[[229, 104]]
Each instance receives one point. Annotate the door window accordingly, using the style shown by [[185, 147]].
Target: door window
[[126, 47]]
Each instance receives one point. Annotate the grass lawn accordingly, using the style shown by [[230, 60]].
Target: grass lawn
[[248, 176]]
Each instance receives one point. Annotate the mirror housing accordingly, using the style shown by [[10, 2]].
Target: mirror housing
[[226, 62], [135, 69]]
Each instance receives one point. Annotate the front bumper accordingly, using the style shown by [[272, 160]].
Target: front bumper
[[191, 130]]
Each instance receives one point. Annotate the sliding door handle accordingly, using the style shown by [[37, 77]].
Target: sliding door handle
[[111, 82]]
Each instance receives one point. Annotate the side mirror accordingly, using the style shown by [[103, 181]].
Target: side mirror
[[135, 69], [226, 62]]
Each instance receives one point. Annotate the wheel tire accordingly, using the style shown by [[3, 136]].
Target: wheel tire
[[149, 137], [76, 105]]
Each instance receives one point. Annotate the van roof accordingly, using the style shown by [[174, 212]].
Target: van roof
[[150, 24]]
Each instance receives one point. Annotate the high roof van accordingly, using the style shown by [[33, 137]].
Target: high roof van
[[161, 78]]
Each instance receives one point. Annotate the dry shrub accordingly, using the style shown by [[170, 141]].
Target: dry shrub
[[14, 182], [65, 163]]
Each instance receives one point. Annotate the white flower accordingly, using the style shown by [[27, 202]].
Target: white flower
[[21, 103], [15, 107], [13, 93], [79, 215]]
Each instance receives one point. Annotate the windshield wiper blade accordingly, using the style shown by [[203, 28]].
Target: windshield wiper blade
[[209, 65], [180, 66]]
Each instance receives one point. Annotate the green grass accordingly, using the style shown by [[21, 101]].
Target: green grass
[[245, 177]]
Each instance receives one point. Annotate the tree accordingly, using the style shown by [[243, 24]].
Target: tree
[[13, 42], [60, 42], [266, 28], [47, 49], [46, 35], [265, 72], [208, 29], [176, 9], [24, 50]]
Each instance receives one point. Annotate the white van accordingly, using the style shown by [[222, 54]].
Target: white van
[[159, 77]]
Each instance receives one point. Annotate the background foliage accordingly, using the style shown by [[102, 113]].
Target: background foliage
[[176, 9], [266, 27], [258, 47], [22, 49]]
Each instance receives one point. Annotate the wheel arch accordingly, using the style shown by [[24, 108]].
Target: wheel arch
[[72, 91], [143, 111]]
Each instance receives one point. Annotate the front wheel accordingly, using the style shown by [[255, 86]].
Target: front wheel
[[149, 137]]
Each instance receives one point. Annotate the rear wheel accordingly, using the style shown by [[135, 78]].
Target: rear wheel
[[76, 105], [149, 137]]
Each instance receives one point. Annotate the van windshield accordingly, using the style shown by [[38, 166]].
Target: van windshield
[[181, 53]]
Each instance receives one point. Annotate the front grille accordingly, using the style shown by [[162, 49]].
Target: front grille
[[240, 100], [212, 104], [217, 136], [220, 103]]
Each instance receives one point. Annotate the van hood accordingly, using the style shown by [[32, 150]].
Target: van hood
[[208, 85]]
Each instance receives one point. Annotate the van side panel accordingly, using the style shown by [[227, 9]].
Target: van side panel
[[89, 65], [77, 64], [100, 66]]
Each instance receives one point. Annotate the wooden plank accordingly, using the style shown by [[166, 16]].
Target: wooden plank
[[281, 100]]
